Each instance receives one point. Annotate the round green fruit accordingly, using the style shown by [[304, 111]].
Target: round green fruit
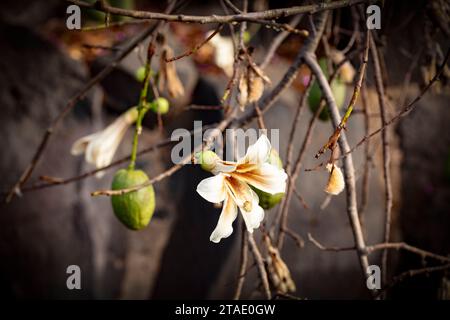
[[160, 105], [134, 209], [140, 74], [315, 94], [267, 200]]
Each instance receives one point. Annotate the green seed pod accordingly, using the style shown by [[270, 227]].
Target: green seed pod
[[267, 200], [160, 105], [134, 209], [315, 94]]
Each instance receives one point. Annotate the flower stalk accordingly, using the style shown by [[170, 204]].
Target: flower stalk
[[143, 106]]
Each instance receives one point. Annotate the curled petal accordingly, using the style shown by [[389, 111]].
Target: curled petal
[[254, 216], [224, 226], [258, 152], [79, 146], [265, 177], [212, 189], [100, 147]]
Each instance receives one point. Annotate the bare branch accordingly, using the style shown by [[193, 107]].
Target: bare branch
[[250, 17], [386, 155], [348, 168], [16, 189], [260, 263], [383, 246], [244, 262]]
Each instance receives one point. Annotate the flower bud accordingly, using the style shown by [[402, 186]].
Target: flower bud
[[207, 160]]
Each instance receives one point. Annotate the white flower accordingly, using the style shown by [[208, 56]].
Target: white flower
[[99, 147], [336, 181], [231, 184], [223, 52]]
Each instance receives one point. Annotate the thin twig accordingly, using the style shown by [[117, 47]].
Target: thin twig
[[59, 181], [367, 158], [300, 198], [386, 156], [382, 246], [197, 47], [332, 141], [323, 248], [406, 247], [16, 188], [348, 168], [250, 17], [278, 41], [260, 263], [220, 128], [244, 262], [412, 273], [296, 237], [405, 110], [297, 116]]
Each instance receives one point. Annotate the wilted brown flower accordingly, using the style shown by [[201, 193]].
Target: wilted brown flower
[[251, 87], [336, 182], [279, 274], [168, 78]]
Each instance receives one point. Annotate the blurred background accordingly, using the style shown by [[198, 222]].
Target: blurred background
[[43, 64]]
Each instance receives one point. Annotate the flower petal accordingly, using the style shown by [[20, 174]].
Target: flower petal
[[79, 146], [223, 167], [258, 152], [253, 217], [265, 177], [213, 188], [224, 226], [239, 190]]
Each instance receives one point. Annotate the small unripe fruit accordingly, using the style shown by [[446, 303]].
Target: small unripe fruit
[[160, 105], [140, 74], [134, 209], [267, 200], [246, 37]]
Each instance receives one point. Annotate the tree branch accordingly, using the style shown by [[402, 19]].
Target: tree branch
[[250, 17], [348, 168]]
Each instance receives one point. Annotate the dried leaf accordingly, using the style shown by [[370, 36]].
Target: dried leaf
[[168, 78]]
